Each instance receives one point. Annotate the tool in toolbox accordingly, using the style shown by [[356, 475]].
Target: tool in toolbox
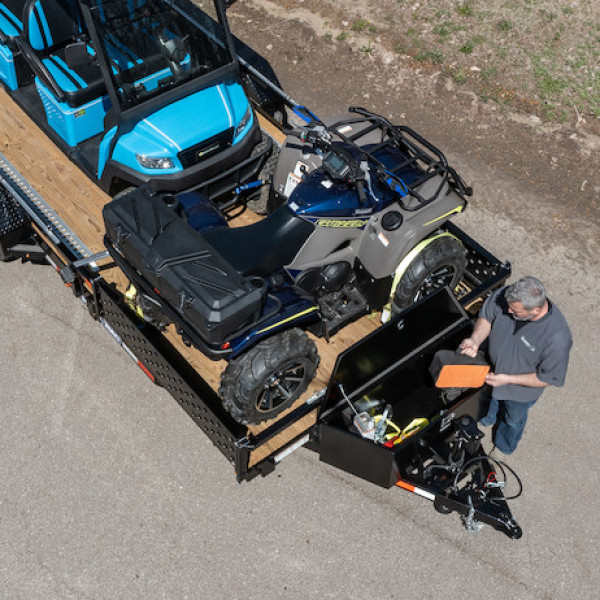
[[363, 421]]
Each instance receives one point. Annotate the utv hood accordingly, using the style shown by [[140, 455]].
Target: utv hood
[[182, 125]]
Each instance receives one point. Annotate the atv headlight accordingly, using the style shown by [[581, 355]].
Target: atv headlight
[[151, 162], [244, 122]]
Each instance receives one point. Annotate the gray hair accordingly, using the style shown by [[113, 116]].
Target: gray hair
[[529, 291]]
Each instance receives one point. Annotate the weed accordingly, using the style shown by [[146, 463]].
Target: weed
[[342, 36], [368, 48], [549, 15], [359, 25], [435, 57], [446, 29], [468, 47], [441, 30], [464, 9], [488, 74], [460, 77], [505, 25]]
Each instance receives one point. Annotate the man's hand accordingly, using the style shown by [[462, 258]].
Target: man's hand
[[497, 379], [524, 379], [469, 347]]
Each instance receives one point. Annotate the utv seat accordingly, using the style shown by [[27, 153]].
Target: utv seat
[[49, 27], [11, 23]]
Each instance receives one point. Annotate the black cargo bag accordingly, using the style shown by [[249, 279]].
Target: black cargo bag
[[182, 266], [451, 369]]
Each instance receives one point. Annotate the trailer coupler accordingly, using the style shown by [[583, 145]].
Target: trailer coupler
[[457, 476]]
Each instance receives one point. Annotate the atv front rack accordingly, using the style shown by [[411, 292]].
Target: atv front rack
[[421, 154]]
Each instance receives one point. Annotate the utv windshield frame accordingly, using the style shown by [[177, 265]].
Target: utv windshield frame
[[139, 75]]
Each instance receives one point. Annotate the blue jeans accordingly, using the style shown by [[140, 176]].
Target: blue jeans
[[510, 418]]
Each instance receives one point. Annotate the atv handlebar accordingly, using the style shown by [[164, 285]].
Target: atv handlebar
[[421, 153]]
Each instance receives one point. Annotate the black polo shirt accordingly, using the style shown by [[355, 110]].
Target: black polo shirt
[[518, 347]]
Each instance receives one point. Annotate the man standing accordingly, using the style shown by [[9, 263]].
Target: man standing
[[528, 344]]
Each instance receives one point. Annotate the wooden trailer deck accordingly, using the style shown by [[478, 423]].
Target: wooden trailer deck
[[79, 202]]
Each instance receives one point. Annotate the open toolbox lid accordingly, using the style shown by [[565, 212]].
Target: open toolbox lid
[[375, 357]]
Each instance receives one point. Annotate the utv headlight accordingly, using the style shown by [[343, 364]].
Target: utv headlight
[[244, 122], [150, 162]]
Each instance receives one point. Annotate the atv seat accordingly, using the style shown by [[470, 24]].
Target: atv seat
[[50, 26], [264, 247]]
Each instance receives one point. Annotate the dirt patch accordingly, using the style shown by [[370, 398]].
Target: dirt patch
[[538, 55]]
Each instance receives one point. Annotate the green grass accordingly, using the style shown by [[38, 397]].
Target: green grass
[[435, 57], [548, 84], [360, 25], [535, 54]]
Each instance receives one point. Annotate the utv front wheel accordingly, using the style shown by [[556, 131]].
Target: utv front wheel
[[270, 377], [441, 262]]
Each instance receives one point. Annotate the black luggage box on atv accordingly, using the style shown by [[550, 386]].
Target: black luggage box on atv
[[181, 266]]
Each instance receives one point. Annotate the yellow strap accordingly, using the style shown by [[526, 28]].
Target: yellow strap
[[412, 428]]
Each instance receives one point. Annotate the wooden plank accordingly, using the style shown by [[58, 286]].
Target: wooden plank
[[79, 202]]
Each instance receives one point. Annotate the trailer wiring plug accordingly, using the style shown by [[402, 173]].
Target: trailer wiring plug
[[491, 482]]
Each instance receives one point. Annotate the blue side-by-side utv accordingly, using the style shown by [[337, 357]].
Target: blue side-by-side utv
[[136, 91]]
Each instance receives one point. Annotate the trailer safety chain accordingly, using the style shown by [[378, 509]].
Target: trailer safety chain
[[472, 525]]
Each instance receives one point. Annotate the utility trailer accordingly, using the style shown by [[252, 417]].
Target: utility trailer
[[441, 459], [53, 215]]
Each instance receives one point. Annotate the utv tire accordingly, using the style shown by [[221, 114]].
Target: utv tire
[[441, 262], [260, 203], [270, 377]]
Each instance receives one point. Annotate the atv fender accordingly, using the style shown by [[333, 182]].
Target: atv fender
[[405, 264]]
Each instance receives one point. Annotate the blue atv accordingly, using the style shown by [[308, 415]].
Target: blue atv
[[357, 224], [135, 91]]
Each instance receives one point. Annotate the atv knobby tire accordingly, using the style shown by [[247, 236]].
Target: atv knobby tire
[[441, 262], [269, 377]]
